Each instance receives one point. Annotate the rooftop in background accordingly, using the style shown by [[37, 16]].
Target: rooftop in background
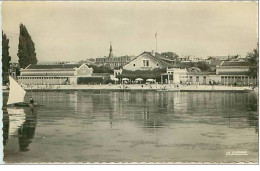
[[53, 66], [219, 57], [55, 62], [235, 63], [215, 62], [165, 57]]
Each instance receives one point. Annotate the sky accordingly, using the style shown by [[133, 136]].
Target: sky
[[74, 31]]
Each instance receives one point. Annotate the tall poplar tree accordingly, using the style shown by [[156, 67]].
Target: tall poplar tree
[[26, 50], [5, 57]]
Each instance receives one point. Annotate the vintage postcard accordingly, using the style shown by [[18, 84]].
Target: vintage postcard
[[130, 82]]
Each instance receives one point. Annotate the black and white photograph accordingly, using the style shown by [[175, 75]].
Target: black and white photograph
[[136, 82]]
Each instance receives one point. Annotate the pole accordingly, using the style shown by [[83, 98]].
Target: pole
[[156, 44], [156, 41]]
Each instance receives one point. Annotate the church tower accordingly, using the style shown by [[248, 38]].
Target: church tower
[[110, 51]]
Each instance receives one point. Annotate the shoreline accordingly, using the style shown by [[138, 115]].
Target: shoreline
[[139, 88]]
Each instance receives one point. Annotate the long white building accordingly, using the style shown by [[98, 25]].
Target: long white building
[[58, 74]]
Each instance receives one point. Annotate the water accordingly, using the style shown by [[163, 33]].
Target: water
[[132, 127]]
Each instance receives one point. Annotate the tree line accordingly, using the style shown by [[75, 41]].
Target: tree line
[[26, 52]]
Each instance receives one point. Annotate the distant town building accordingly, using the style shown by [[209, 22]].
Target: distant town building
[[170, 55], [184, 59], [66, 62], [222, 58], [240, 59], [225, 58], [88, 61], [113, 62], [14, 69]]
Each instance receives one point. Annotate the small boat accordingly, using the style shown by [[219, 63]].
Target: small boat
[[17, 94]]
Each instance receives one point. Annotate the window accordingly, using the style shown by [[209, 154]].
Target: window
[[146, 63], [157, 64], [134, 65]]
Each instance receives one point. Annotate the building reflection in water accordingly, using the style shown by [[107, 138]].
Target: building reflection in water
[[159, 109], [224, 104], [152, 111], [111, 119], [155, 109], [253, 114]]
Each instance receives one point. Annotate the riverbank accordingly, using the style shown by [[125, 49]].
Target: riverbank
[[138, 87]]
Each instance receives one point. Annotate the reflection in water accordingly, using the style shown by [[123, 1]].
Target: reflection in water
[[111, 119], [27, 130], [5, 126], [253, 112], [21, 123], [134, 125], [16, 118]]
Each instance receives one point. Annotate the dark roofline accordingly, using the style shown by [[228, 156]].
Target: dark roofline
[[52, 66], [235, 63]]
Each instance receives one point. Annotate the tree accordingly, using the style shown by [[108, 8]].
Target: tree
[[5, 57], [203, 66], [252, 58], [100, 69], [170, 55], [26, 50]]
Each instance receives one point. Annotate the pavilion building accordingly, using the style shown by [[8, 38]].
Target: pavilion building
[[227, 73], [60, 74]]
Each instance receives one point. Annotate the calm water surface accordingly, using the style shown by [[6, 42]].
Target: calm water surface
[[132, 127]]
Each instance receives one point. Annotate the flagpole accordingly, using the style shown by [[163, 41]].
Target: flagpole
[[156, 41]]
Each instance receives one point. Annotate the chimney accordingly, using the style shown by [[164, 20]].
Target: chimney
[[153, 53]]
